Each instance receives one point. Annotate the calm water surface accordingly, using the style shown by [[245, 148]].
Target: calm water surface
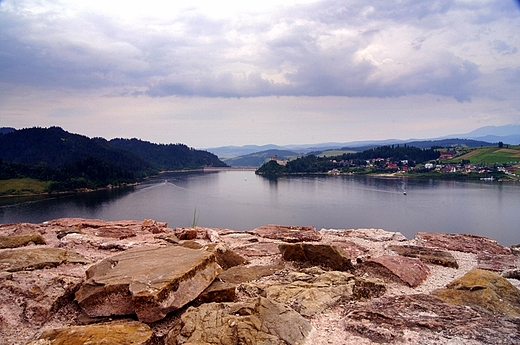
[[241, 200]]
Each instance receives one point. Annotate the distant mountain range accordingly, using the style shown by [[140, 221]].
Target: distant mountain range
[[258, 158], [509, 134], [243, 155]]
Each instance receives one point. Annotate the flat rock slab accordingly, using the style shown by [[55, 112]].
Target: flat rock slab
[[149, 282], [425, 319], [83, 223], [483, 290], [376, 235], [498, 262], [124, 333], [289, 234], [258, 249], [226, 258], [324, 291], [223, 287], [353, 250], [462, 243], [427, 255], [19, 228], [242, 274], [257, 321], [108, 229], [28, 299], [15, 241], [317, 254], [409, 271], [38, 258], [312, 290]]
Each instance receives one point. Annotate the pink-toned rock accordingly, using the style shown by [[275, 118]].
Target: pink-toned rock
[[149, 282], [186, 233], [226, 257], [317, 254], [376, 235], [426, 254], [498, 262], [462, 242], [258, 249], [213, 235], [96, 227], [352, 249], [30, 298], [153, 226], [115, 232], [409, 271], [92, 223], [19, 228], [289, 234], [394, 319]]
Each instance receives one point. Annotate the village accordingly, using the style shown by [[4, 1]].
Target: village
[[445, 164]]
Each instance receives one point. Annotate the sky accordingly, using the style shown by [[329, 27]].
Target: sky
[[217, 73]]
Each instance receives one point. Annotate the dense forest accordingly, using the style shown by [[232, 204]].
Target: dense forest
[[168, 157], [71, 161], [315, 164]]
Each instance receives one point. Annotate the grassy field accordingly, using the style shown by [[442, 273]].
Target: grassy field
[[22, 186], [491, 155]]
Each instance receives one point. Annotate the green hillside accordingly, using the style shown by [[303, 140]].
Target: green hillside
[[490, 155]]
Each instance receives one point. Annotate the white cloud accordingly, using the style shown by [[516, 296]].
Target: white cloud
[[147, 53], [349, 49]]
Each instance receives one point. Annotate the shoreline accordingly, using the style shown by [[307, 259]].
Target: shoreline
[[440, 176], [87, 190]]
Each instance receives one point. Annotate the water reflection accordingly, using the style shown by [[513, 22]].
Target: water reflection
[[242, 200]]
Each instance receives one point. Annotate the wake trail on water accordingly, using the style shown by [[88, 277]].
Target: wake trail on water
[[376, 190], [174, 185]]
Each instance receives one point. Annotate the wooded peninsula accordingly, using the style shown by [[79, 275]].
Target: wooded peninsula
[[485, 163], [37, 160]]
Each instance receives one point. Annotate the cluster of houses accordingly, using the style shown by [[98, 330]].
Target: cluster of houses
[[390, 165], [471, 168], [403, 166]]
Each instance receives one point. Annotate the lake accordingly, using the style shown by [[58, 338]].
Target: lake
[[241, 200]]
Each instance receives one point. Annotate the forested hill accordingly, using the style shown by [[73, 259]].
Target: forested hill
[[315, 164], [56, 147], [72, 161], [170, 156]]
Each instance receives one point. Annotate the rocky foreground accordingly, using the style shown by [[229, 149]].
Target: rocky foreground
[[82, 281]]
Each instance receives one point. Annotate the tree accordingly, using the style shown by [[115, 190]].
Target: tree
[[271, 168]]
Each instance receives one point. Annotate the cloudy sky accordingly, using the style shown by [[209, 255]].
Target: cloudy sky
[[217, 73]]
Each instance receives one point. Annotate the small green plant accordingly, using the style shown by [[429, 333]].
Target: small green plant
[[195, 217]]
